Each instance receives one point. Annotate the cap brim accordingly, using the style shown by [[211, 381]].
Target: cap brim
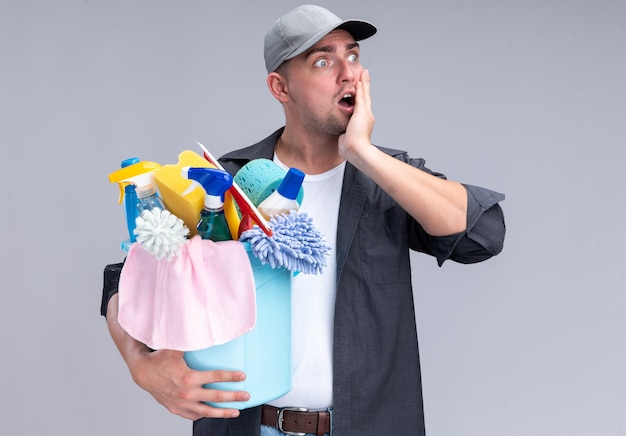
[[359, 30]]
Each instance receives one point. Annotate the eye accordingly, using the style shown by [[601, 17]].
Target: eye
[[353, 58], [321, 63]]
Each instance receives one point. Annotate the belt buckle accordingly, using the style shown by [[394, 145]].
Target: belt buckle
[[280, 419]]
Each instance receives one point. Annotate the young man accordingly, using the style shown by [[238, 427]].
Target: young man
[[355, 354]]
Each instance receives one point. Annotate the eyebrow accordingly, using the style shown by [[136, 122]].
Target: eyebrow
[[329, 48]]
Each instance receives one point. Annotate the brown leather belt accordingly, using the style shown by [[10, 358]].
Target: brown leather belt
[[296, 420]]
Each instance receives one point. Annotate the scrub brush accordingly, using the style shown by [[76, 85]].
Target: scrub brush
[[296, 244], [161, 233]]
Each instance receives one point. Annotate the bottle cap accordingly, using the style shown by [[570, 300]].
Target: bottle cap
[[214, 181], [290, 186], [130, 161]]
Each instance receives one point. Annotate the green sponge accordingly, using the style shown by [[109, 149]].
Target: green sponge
[[259, 178]]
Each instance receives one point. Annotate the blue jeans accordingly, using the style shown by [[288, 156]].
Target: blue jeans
[[273, 431]]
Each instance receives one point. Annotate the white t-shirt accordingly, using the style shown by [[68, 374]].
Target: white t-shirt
[[313, 300]]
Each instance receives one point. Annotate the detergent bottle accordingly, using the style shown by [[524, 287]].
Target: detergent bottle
[[284, 199], [137, 191], [212, 224]]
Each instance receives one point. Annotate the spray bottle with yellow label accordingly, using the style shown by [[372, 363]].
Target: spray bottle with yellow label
[[140, 176]]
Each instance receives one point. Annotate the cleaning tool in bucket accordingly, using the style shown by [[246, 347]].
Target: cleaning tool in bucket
[[141, 175], [203, 297], [260, 178], [246, 207], [161, 233], [128, 193], [284, 199], [130, 206], [212, 224], [296, 244], [185, 198]]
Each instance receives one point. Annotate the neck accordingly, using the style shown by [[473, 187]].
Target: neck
[[312, 154]]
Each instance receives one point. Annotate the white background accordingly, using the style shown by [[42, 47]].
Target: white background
[[525, 97]]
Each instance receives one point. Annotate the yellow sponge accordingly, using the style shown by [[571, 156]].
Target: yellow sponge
[[186, 201]]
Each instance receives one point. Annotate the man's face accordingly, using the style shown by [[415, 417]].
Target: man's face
[[322, 83]]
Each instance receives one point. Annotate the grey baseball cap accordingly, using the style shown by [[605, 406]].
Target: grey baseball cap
[[301, 28]]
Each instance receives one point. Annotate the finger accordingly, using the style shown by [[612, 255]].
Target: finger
[[365, 80], [195, 410], [216, 394], [206, 411], [363, 101], [217, 376], [192, 405], [214, 412], [359, 105], [209, 395]]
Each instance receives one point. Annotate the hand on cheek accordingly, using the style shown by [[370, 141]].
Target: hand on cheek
[[359, 130]]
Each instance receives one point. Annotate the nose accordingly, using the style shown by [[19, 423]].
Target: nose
[[348, 71]]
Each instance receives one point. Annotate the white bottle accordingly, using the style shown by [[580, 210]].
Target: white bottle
[[283, 200]]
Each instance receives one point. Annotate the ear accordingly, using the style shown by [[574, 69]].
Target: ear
[[277, 85]]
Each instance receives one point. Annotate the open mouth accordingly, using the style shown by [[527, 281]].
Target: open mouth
[[347, 100]]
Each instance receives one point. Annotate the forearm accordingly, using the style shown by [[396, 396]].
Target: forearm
[[166, 376], [130, 349], [439, 205]]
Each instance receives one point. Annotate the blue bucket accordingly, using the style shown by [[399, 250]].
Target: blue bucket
[[264, 353]]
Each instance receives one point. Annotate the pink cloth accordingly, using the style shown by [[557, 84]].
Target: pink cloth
[[205, 296]]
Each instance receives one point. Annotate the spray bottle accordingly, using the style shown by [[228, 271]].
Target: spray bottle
[[130, 203], [283, 200], [137, 191], [212, 224]]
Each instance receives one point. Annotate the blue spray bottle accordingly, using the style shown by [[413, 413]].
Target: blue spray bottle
[[130, 204], [136, 180], [212, 224]]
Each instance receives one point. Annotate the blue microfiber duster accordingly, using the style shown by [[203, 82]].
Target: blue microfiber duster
[[296, 244]]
